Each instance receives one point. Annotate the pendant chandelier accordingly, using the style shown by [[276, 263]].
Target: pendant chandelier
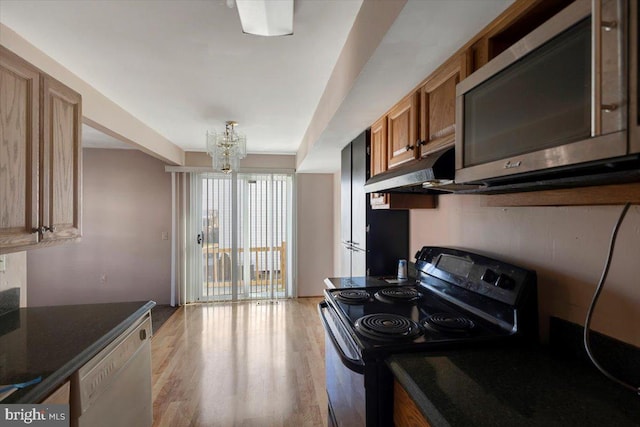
[[227, 148]]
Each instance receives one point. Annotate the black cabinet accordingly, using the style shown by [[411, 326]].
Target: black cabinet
[[372, 240], [345, 200]]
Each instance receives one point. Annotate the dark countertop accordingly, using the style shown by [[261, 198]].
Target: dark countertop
[[369, 281], [512, 387], [362, 282], [53, 342]]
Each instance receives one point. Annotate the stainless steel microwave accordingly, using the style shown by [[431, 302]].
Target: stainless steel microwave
[[562, 98]]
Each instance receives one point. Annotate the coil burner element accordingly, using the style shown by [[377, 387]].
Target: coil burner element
[[352, 296], [387, 327], [398, 295], [449, 322]]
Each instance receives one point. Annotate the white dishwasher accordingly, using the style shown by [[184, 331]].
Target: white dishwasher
[[114, 388]]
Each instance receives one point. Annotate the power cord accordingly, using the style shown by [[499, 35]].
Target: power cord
[[594, 300]]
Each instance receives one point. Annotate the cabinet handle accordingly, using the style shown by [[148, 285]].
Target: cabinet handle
[[608, 108], [410, 147], [423, 142], [43, 229]]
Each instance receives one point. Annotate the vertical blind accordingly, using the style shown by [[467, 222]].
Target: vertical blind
[[244, 228]]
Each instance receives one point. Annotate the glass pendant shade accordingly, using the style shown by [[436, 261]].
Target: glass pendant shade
[[226, 148], [266, 17]]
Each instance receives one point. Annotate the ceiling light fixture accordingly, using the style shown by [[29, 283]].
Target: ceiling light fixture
[[266, 17], [226, 148]]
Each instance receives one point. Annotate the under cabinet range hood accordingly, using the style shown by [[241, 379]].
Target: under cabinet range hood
[[434, 172]]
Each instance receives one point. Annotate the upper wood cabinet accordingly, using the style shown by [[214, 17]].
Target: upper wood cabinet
[[402, 131], [61, 151], [378, 156], [522, 17], [19, 144], [379, 146], [437, 107], [40, 157]]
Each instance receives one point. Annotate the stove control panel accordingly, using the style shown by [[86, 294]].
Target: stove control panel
[[489, 277], [502, 281], [505, 282]]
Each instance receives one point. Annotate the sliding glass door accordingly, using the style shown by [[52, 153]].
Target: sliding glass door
[[242, 228]]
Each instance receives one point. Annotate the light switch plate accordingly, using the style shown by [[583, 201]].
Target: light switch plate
[[3, 263]]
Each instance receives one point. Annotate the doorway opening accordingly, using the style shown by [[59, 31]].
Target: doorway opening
[[242, 225]]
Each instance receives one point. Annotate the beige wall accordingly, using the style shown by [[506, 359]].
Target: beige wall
[[314, 232], [121, 257], [264, 161], [15, 275], [567, 247]]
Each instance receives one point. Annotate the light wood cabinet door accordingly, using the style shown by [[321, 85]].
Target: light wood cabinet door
[[19, 123], [405, 411], [378, 152], [513, 24], [402, 130], [60, 396], [379, 146], [61, 154], [437, 108]]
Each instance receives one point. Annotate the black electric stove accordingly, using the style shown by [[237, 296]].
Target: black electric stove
[[459, 299]]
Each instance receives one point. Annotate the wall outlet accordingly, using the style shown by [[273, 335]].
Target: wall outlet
[[3, 263], [165, 235]]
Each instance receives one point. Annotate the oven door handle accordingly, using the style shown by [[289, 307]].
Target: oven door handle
[[356, 365]]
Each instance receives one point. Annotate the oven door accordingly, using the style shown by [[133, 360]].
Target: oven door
[[344, 373]]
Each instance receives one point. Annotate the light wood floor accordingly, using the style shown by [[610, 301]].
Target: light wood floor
[[240, 364]]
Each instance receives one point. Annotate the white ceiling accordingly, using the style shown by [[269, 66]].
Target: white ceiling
[[184, 66], [93, 138]]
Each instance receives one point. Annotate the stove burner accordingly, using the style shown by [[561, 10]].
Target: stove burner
[[388, 327], [450, 322], [400, 294], [352, 296]]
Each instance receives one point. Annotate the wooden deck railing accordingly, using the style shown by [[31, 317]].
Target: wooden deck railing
[[217, 272]]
